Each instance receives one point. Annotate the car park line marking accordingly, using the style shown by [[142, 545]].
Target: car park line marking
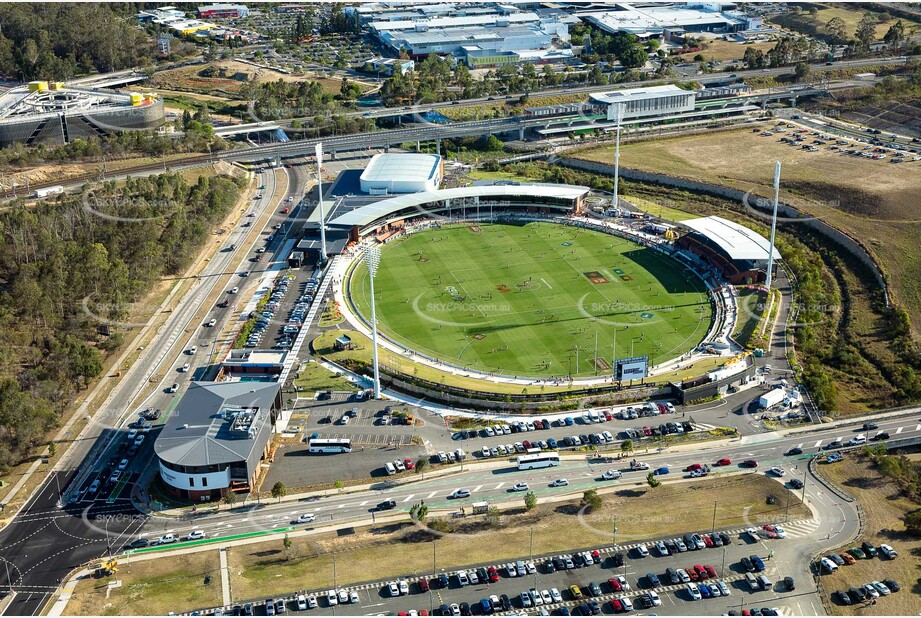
[[408, 498], [899, 430]]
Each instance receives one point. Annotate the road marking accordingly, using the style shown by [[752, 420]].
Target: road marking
[[499, 486], [340, 506], [899, 430], [363, 503], [817, 444], [408, 498], [800, 445], [918, 427], [477, 488], [431, 495]]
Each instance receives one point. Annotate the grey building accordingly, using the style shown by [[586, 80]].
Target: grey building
[[216, 437]]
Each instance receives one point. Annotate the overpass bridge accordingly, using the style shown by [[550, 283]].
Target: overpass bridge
[[110, 80], [246, 129]]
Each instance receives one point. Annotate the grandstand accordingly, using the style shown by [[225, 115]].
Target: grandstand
[[739, 254]]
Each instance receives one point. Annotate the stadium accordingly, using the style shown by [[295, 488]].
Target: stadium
[[518, 281]]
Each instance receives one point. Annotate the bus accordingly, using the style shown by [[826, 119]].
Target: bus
[[538, 460], [330, 445]]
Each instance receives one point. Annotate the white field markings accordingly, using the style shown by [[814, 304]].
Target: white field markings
[[546, 283]]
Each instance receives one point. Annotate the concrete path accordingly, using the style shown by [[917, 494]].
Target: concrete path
[[225, 578]]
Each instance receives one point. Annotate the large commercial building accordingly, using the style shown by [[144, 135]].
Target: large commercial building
[[668, 20], [402, 173], [218, 11], [51, 112], [651, 101], [216, 437]]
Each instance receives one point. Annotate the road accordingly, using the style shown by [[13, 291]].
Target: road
[[45, 541]]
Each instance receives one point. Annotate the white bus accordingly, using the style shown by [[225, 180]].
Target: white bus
[[330, 445], [538, 460]]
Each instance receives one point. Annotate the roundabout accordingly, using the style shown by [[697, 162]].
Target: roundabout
[[526, 298]]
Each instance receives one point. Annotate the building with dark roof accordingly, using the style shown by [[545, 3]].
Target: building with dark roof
[[216, 437]]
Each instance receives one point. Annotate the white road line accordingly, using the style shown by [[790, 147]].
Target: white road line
[[899, 430], [477, 488], [499, 486], [431, 495], [918, 427], [363, 503], [340, 506], [817, 444], [800, 445], [408, 498]]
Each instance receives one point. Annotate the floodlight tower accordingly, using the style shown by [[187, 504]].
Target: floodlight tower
[[620, 115], [372, 261], [319, 151], [770, 265]]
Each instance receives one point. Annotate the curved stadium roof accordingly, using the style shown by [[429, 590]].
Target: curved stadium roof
[[367, 215], [739, 242]]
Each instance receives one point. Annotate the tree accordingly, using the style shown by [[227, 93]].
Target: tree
[[837, 29], [633, 57], [492, 144], [421, 465], [652, 481], [230, 499], [530, 500], [287, 544], [866, 30], [52, 449], [753, 58], [338, 485], [591, 500], [912, 522], [626, 446], [279, 491], [801, 71], [418, 512], [699, 58], [895, 35]]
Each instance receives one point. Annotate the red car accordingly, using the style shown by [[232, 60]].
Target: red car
[[424, 585], [694, 466], [615, 585], [608, 416], [409, 463], [616, 606], [662, 408], [707, 540], [647, 430], [725, 461], [596, 555], [526, 444], [710, 570], [701, 572], [285, 210], [493, 574], [692, 573], [749, 463], [538, 425]]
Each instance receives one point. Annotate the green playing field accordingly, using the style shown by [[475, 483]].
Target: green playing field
[[533, 299]]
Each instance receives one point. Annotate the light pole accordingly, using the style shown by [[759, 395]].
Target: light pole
[[319, 152], [770, 264], [620, 114], [373, 260]]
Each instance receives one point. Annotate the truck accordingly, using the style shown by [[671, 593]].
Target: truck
[[772, 398], [48, 191]]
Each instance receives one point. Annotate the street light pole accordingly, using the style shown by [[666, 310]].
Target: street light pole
[[373, 260], [713, 528], [319, 153]]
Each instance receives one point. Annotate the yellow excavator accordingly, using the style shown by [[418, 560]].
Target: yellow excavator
[[107, 567]]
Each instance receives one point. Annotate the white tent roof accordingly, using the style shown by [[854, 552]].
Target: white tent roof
[[739, 242]]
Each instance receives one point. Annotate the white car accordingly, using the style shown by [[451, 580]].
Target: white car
[[535, 596], [520, 487], [234, 290], [654, 598], [623, 582], [343, 595], [306, 518], [460, 493], [353, 597], [693, 591], [312, 601], [611, 475], [166, 539], [556, 596], [186, 367], [123, 464], [193, 350], [212, 322], [455, 609], [394, 589], [627, 603], [300, 602], [777, 471], [195, 535], [642, 550], [546, 597], [332, 598], [857, 440], [560, 483], [683, 576]]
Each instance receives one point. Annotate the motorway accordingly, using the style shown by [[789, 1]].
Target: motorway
[[45, 541]]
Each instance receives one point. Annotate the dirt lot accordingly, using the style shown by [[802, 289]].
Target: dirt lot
[[229, 76], [884, 508], [368, 554], [726, 50], [149, 589]]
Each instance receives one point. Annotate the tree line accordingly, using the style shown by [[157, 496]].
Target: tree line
[[50, 40], [58, 259]]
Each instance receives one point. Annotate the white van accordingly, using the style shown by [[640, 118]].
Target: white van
[[391, 470], [753, 584], [460, 454]]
